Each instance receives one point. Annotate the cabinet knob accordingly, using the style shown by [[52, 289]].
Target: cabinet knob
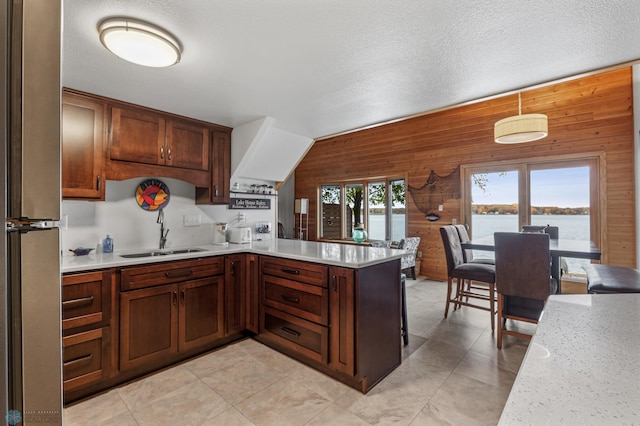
[[162, 152], [98, 182], [169, 154]]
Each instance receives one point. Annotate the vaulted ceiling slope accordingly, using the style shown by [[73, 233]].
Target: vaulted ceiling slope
[[323, 67]]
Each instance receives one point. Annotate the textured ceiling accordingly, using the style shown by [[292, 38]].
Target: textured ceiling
[[323, 67]]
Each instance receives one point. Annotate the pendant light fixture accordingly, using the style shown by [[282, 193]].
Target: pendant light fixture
[[521, 128], [139, 42]]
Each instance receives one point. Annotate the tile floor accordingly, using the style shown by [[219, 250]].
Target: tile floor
[[451, 373]]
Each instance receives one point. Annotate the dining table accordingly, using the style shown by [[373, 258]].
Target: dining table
[[558, 247]]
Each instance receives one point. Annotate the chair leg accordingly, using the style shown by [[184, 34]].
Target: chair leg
[[500, 320], [405, 328], [413, 272], [457, 297], [492, 310], [449, 285]]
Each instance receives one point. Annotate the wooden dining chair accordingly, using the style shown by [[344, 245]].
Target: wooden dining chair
[[523, 279], [461, 271]]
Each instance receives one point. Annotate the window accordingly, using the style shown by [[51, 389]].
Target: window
[[558, 193], [331, 211], [377, 204]]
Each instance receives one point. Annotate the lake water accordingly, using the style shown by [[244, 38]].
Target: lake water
[[376, 230], [570, 227]]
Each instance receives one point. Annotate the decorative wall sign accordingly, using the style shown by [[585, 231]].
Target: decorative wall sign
[[435, 191], [152, 195], [250, 204]]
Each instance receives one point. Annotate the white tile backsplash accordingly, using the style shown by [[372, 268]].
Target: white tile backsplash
[[131, 227]]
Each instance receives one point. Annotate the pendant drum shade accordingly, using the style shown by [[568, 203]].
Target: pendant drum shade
[[521, 128], [138, 42]]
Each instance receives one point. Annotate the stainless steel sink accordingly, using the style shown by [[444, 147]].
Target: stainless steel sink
[[151, 253]]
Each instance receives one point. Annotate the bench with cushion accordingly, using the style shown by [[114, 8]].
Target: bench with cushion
[[612, 279]]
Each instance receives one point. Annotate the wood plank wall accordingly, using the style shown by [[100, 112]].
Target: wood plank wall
[[593, 114]]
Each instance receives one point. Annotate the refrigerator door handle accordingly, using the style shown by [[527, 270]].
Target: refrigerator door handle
[[23, 225]]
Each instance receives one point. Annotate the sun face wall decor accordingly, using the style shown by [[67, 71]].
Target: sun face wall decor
[[152, 195]]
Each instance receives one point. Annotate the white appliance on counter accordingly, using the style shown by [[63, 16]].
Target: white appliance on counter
[[240, 235], [220, 234]]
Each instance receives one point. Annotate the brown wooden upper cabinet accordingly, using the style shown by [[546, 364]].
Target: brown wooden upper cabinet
[[141, 136], [221, 170], [83, 126]]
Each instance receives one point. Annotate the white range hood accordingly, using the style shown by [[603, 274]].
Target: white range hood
[[261, 151]]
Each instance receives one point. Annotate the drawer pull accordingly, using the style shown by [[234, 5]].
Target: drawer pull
[[291, 332], [290, 299], [76, 302], [78, 360], [179, 273], [291, 271]]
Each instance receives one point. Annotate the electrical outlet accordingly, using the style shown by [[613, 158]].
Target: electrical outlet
[[191, 220], [420, 253], [440, 207]]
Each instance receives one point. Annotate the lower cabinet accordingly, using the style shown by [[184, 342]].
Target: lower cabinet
[[252, 285], [342, 320], [87, 321], [309, 310], [236, 290], [157, 322]]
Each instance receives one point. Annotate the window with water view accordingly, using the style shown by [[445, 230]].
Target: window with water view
[[503, 199], [376, 205]]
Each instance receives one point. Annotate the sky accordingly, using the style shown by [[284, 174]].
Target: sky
[[567, 187]]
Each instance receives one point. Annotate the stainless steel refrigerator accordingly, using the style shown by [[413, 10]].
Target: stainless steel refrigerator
[[30, 33]]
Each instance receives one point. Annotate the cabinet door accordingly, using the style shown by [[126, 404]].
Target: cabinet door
[[148, 325], [187, 145], [252, 292], [201, 312], [220, 167], [341, 320], [236, 293], [82, 147], [137, 136]]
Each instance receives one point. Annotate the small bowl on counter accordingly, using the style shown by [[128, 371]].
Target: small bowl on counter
[[81, 251]]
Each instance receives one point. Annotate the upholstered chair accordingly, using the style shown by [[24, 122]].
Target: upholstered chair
[[523, 279], [409, 261], [461, 271]]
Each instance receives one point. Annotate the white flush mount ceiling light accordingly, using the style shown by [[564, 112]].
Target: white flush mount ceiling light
[[521, 128], [139, 42]]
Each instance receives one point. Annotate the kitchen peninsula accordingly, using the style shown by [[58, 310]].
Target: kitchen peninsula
[[334, 307]]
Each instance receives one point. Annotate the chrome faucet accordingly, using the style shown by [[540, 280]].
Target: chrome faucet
[[163, 232]]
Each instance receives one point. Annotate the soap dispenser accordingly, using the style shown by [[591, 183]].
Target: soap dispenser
[[107, 245]]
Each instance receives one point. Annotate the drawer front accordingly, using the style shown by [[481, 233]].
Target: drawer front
[[309, 273], [302, 336], [86, 299], [170, 272], [85, 357], [306, 301]]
